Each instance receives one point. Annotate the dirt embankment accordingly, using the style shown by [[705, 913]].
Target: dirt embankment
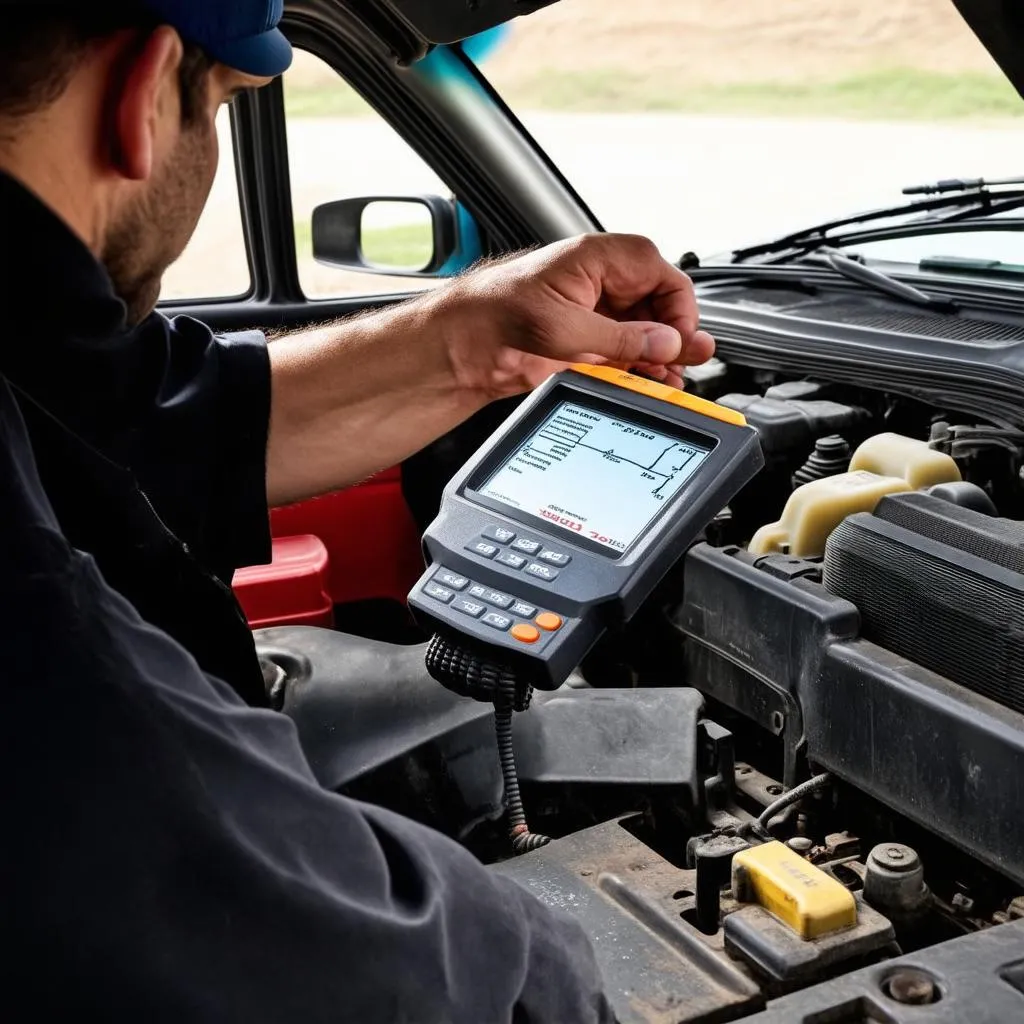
[[742, 40]]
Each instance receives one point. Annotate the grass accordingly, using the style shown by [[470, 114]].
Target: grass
[[402, 246], [895, 93], [884, 94]]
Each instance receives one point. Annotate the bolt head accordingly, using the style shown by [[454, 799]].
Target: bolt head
[[911, 987], [895, 857]]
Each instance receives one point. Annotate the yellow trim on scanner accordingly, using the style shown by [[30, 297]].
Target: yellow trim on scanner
[[799, 894], [651, 388]]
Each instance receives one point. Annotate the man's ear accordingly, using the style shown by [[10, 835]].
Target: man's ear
[[147, 99]]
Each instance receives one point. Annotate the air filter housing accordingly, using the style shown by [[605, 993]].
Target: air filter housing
[[940, 585]]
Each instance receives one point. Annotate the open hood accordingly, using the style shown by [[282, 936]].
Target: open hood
[[999, 24], [447, 21]]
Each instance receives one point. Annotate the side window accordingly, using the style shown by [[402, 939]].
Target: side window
[[215, 264], [340, 148]]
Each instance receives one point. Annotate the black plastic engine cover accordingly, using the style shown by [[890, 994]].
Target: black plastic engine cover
[[946, 758], [945, 607], [361, 705]]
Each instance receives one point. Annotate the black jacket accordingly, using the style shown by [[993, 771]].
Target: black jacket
[[151, 442], [167, 854]]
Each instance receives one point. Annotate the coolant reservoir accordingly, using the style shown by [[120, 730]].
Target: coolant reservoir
[[883, 464], [907, 458]]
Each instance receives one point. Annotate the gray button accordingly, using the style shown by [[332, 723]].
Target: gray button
[[502, 534], [483, 547], [478, 590], [467, 607], [452, 579], [497, 621], [531, 547], [496, 597], [524, 610], [555, 558], [542, 572], [438, 593], [511, 559]]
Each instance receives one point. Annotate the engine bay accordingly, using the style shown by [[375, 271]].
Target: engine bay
[[789, 788]]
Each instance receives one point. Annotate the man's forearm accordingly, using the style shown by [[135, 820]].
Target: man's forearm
[[358, 396]]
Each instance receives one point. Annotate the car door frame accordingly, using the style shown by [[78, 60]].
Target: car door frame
[[446, 112]]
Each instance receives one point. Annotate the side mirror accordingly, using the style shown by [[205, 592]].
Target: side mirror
[[412, 236]]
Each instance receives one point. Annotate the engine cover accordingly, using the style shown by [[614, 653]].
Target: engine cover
[[940, 585], [767, 640]]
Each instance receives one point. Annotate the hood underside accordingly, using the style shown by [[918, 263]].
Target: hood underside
[[999, 24]]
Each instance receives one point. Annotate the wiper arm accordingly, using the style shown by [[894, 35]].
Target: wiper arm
[[962, 203], [882, 282], [959, 185]]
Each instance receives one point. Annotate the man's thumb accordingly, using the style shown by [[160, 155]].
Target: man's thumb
[[637, 342]]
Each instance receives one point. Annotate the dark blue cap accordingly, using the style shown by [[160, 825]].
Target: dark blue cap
[[242, 34]]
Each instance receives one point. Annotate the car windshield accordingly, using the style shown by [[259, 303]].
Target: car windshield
[[710, 126]]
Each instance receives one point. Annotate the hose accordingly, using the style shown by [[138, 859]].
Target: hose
[[792, 796]]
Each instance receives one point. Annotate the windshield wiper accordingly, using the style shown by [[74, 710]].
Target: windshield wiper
[[959, 185], [870, 277], [975, 200]]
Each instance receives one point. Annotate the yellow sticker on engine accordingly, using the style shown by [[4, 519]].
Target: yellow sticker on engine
[[797, 892]]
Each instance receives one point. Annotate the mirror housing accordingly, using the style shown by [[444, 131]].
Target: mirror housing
[[338, 234]]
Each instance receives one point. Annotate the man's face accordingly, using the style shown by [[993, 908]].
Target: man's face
[[152, 228]]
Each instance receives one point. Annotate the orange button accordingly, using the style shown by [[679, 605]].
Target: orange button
[[525, 633], [549, 621]]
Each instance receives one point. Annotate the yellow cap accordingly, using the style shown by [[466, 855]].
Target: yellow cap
[[799, 894], [651, 388]]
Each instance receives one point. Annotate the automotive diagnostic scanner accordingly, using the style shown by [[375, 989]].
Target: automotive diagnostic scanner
[[562, 524]]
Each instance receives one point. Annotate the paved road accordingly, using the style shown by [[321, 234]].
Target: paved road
[[689, 182]]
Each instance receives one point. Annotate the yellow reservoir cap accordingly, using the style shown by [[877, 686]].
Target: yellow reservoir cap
[[799, 894], [651, 388]]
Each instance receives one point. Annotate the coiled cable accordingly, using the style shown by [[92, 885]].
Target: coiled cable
[[466, 672]]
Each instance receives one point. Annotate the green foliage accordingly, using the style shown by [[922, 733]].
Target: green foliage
[[887, 94]]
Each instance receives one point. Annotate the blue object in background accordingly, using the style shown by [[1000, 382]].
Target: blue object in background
[[479, 47], [468, 248]]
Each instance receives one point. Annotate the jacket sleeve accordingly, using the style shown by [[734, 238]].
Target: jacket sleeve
[[199, 448], [177, 861]]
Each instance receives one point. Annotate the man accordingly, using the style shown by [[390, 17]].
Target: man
[[168, 855]]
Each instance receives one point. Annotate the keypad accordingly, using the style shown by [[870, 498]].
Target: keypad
[[438, 593], [554, 558], [494, 608], [511, 559], [484, 548], [469, 607], [451, 579], [531, 547], [542, 572], [502, 534]]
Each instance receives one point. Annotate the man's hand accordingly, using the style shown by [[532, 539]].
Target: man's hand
[[357, 397], [596, 299]]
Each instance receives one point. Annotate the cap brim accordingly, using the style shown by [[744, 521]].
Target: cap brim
[[267, 55]]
